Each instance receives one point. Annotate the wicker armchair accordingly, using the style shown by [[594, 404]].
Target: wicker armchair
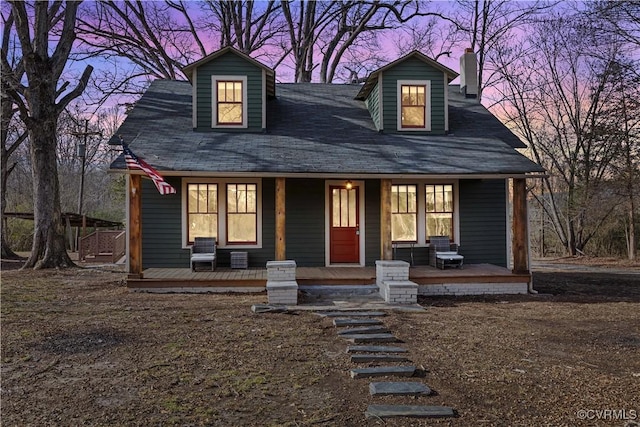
[[203, 251], [443, 253]]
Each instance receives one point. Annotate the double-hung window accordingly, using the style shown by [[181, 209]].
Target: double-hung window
[[404, 212], [202, 211], [229, 101], [242, 214], [414, 105], [439, 207]]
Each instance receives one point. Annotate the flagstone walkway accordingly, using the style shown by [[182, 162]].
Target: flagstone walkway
[[367, 327]]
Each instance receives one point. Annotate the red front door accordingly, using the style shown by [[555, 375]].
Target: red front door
[[345, 228]]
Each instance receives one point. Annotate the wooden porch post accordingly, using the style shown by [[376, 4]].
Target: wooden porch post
[[281, 247], [520, 227], [135, 227], [386, 247]]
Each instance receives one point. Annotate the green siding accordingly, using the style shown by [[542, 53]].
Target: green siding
[[373, 105], [413, 69], [305, 221], [483, 222], [162, 229], [229, 64]]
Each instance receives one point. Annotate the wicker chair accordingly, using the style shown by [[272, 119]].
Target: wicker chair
[[443, 253], [203, 251]]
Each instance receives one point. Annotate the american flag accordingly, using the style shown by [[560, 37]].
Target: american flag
[[134, 162]]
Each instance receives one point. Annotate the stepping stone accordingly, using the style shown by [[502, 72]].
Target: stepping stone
[[375, 349], [383, 371], [365, 330], [360, 338], [353, 314], [394, 411], [362, 358], [399, 389], [356, 322]]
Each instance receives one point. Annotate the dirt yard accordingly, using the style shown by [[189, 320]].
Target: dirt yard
[[79, 349]]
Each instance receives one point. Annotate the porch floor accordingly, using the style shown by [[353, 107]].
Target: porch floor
[[257, 277]]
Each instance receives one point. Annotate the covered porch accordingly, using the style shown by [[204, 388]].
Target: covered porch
[[485, 278]]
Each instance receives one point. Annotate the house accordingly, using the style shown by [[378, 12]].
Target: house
[[324, 174]]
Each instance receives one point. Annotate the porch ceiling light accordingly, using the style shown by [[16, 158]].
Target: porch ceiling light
[[349, 185]]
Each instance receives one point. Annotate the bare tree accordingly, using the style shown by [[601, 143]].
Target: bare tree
[[11, 136], [556, 93], [246, 25], [40, 102], [487, 26]]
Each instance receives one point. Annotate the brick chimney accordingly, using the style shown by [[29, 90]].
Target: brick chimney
[[469, 74]]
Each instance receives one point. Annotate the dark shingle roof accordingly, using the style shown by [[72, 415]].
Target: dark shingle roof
[[314, 128]]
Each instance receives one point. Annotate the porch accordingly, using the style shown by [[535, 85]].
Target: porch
[[482, 278]]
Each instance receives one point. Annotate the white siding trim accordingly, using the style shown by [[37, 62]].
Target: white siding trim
[[222, 209], [446, 104], [380, 104], [214, 104], [427, 118], [264, 99], [194, 98]]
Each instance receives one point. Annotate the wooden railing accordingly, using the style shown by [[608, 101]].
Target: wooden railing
[[105, 246]]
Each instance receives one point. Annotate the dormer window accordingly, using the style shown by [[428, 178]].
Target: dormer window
[[414, 105], [229, 101]]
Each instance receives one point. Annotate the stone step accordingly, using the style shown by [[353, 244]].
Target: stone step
[[399, 389], [334, 291], [383, 371], [413, 411], [363, 358], [356, 322], [361, 338], [352, 313], [365, 330], [375, 349]]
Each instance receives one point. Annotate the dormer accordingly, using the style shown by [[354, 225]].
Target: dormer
[[230, 91], [409, 95]]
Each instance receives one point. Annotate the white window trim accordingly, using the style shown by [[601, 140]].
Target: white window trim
[[222, 210], [422, 219], [427, 107], [214, 103]]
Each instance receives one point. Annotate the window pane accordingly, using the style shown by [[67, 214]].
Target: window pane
[[413, 116], [440, 224], [229, 113], [232, 198], [192, 198], [430, 198], [352, 208], [403, 227], [344, 208], [221, 92], [203, 225], [439, 199], [202, 199], [237, 91], [412, 198], [251, 198], [336, 207], [241, 228], [448, 198], [394, 198]]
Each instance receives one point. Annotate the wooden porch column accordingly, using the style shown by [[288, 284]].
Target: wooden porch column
[[281, 247], [520, 227], [386, 246], [135, 227]]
